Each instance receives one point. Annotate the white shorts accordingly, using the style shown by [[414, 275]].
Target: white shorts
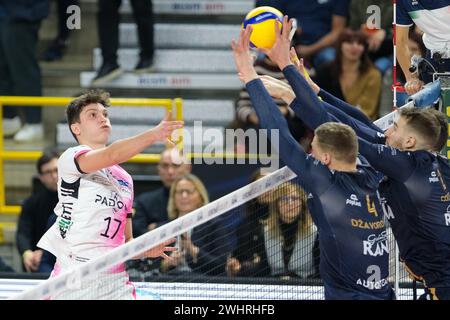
[[101, 286]]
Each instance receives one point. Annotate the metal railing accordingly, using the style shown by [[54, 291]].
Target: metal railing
[[169, 104]]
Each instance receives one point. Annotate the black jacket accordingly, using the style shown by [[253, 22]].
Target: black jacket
[[24, 10], [151, 207], [33, 220]]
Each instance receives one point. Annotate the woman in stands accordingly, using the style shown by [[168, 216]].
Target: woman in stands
[[202, 250], [352, 77], [283, 244]]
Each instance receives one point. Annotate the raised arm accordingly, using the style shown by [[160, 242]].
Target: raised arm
[[314, 112], [362, 130], [347, 108], [413, 83], [311, 111], [122, 150], [318, 112], [308, 107], [313, 176], [388, 160]]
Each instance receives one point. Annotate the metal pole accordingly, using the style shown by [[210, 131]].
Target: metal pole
[[394, 63], [2, 176]]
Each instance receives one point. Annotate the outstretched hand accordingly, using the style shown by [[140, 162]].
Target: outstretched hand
[[279, 53], [163, 131], [242, 56], [160, 250]]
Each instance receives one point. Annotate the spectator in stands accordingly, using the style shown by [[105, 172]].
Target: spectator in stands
[[4, 267], [19, 69], [151, 207], [244, 218], [379, 37], [283, 244], [58, 46], [319, 25], [204, 249], [36, 211], [108, 30], [352, 76]]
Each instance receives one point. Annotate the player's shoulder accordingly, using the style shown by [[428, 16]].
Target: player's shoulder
[[73, 152], [423, 155], [367, 176]]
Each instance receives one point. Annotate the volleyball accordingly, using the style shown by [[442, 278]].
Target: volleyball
[[263, 20]]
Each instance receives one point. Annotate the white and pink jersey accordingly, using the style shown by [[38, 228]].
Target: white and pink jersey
[[92, 211]]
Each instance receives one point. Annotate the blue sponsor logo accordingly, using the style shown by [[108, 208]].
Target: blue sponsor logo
[[123, 183]]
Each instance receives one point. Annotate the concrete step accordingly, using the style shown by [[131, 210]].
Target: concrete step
[[176, 60], [183, 7], [182, 35], [212, 112], [196, 7], [61, 79], [200, 81], [69, 63]]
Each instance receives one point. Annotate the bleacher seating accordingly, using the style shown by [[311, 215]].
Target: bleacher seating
[[176, 60], [183, 35], [196, 7], [215, 112], [121, 131], [191, 55]]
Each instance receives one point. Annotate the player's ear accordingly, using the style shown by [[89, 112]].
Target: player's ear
[[326, 158], [410, 142], [75, 128]]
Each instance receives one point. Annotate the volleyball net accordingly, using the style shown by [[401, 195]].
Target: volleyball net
[[210, 229], [248, 248], [232, 248]]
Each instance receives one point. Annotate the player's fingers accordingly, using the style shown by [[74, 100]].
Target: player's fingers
[[286, 29], [277, 29], [248, 33], [169, 241], [170, 143], [168, 116], [233, 44], [165, 257], [173, 125], [170, 249], [240, 39], [294, 57]]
